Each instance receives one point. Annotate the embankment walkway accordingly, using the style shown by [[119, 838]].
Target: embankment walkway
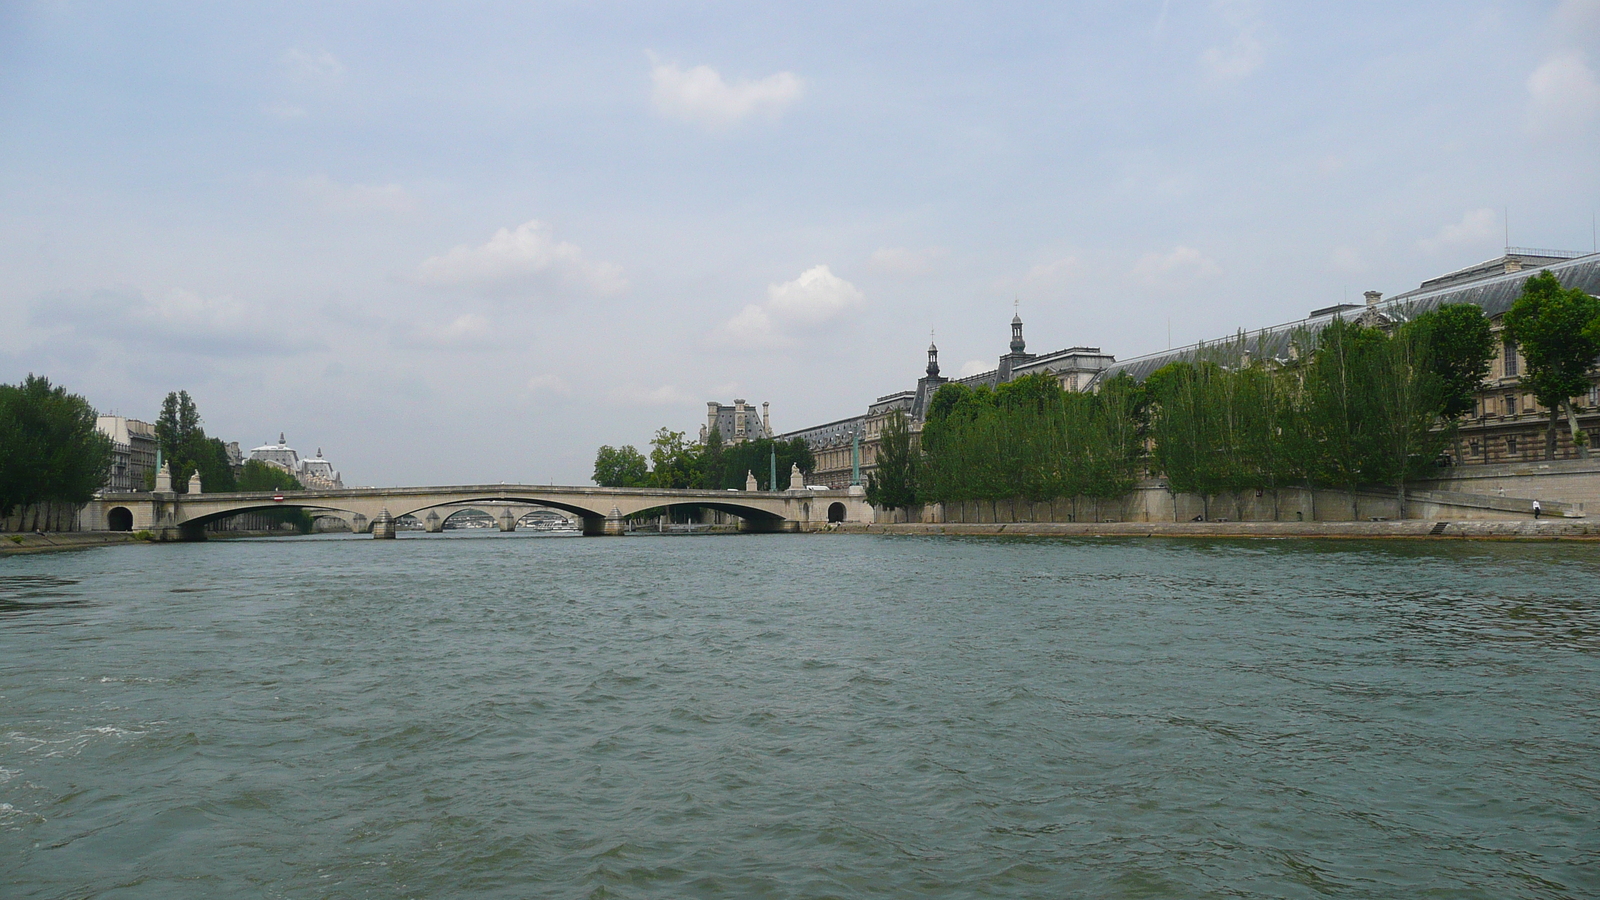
[[1512, 529]]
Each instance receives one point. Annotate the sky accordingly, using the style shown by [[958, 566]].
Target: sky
[[472, 242]]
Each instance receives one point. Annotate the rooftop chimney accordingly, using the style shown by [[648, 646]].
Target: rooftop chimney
[[1373, 297]]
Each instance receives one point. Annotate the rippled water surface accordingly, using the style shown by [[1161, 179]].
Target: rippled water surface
[[800, 716]]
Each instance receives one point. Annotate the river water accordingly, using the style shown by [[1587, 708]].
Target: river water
[[494, 715]]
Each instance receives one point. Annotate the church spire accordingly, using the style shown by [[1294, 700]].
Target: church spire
[[933, 356], [1018, 345]]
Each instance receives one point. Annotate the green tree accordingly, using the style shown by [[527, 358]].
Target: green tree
[[711, 462], [621, 467], [1336, 400], [1459, 344], [674, 463], [257, 475], [894, 484], [50, 449], [186, 448], [1556, 330], [1408, 398], [262, 476]]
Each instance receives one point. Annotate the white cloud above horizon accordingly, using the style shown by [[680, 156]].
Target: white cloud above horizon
[[174, 321], [311, 68], [1475, 227], [814, 299], [526, 262], [1180, 267], [1242, 56], [700, 95], [1564, 96]]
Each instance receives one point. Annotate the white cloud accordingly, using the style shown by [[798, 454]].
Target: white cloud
[[1237, 60], [1182, 266], [312, 68], [975, 367], [283, 109], [1242, 56], [661, 395], [1053, 272], [335, 197], [1347, 259], [701, 95], [1565, 96], [548, 384], [814, 299], [1475, 227], [178, 321], [524, 262], [905, 261]]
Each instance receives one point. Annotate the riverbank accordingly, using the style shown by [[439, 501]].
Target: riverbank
[[1511, 529], [12, 544]]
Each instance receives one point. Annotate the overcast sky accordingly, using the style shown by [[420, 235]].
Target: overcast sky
[[472, 242]]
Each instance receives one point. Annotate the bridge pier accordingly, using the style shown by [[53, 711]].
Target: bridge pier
[[508, 522], [383, 526], [433, 523]]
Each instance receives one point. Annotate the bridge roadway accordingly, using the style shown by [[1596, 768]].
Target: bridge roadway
[[604, 511]]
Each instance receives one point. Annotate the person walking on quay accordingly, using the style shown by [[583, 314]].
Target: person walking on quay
[[1537, 509]]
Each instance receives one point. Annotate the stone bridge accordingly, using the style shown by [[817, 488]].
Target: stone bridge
[[603, 511]]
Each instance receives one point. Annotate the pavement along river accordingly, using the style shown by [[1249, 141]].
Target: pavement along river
[[493, 715]]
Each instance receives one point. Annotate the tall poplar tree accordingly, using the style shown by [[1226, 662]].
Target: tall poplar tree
[[1556, 329]]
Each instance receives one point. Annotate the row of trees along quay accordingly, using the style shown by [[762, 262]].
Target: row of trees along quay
[[1351, 406], [676, 462], [51, 451]]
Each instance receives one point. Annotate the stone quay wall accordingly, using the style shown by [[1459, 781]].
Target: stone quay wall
[[54, 517], [1564, 489]]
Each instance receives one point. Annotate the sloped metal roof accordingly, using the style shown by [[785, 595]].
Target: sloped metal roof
[[1494, 295]]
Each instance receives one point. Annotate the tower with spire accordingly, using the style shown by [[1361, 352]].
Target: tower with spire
[[928, 384], [1019, 348]]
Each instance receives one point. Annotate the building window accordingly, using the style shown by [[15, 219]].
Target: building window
[[1475, 449], [1594, 395], [1508, 352], [1511, 404], [1511, 444]]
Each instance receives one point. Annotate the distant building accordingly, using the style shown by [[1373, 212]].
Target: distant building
[[133, 452], [846, 446], [1508, 425], [315, 473], [319, 474], [737, 423]]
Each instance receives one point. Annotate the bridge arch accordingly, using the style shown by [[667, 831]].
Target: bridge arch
[[119, 518], [836, 512], [198, 523]]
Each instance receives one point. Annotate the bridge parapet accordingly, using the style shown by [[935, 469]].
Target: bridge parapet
[[602, 510]]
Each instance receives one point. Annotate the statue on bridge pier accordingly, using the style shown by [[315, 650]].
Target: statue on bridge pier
[[797, 482]]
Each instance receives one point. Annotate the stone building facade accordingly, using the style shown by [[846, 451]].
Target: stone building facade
[[1507, 426], [737, 423], [846, 450], [314, 473], [133, 452]]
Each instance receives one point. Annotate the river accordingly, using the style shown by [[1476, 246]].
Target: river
[[488, 715]]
